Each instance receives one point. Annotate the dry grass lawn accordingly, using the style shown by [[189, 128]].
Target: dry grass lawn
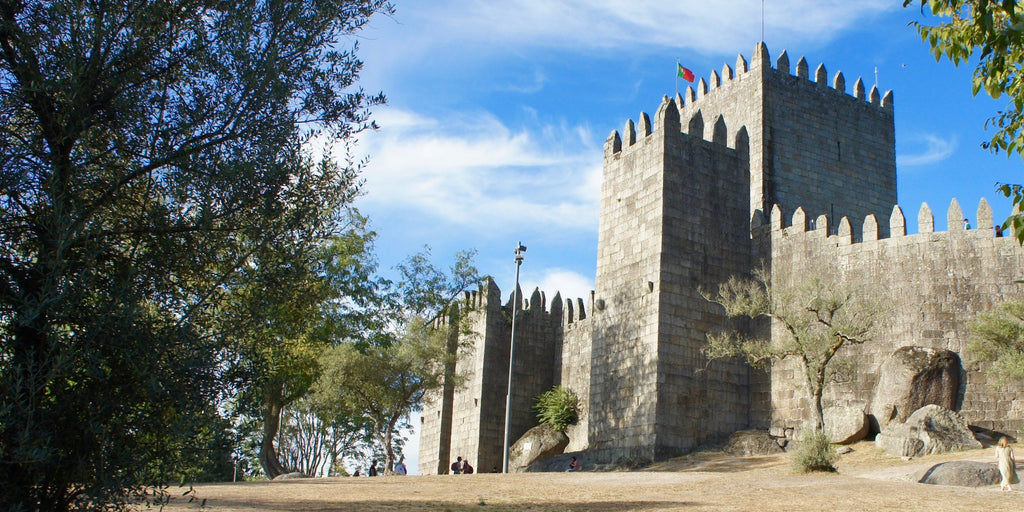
[[867, 480]]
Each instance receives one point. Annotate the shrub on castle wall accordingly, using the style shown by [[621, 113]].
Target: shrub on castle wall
[[558, 407]]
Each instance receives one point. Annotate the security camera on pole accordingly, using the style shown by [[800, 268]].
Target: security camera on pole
[[520, 249]]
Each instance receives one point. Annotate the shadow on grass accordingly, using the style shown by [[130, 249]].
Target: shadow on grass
[[439, 506], [717, 462]]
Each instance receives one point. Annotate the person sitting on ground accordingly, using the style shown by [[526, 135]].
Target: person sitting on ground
[[574, 465]]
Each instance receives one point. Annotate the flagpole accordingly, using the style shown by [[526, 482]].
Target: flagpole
[[677, 76], [762, 21]]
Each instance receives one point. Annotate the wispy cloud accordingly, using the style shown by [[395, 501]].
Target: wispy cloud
[[935, 149], [694, 24], [472, 172]]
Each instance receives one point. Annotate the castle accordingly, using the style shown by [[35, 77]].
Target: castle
[[759, 165]]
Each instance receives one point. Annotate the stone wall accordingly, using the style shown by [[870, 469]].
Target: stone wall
[[674, 219], [573, 366], [931, 286]]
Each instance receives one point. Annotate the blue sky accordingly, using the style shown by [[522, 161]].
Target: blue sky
[[497, 113]]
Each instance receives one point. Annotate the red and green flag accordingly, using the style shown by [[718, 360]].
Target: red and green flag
[[684, 73]]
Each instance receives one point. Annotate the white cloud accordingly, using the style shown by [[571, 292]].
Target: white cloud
[[936, 149], [581, 24], [472, 172], [570, 284]]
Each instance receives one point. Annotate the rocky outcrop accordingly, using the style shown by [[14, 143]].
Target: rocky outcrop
[[964, 473], [844, 425], [912, 377], [752, 442], [931, 429], [540, 442]]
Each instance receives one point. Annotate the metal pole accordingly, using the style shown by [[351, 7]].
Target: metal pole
[[520, 249]]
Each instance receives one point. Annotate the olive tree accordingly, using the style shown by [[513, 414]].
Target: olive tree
[[813, 319]]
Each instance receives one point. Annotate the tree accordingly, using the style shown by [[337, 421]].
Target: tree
[[998, 339], [387, 381], [150, 152], [314, 442], [815, 319], [282, 313], [993, 32]]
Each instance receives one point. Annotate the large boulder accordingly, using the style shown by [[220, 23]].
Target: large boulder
[[540, 442], [844, 425], [912, 377], [751, 442], [931, 429], [965, 473]]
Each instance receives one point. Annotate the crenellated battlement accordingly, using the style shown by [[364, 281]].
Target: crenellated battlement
[[801, 227], [487, 298], [761, 63], [667, 120]]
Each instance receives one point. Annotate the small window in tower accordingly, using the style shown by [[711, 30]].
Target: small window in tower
[[839, 151], [476, 402]]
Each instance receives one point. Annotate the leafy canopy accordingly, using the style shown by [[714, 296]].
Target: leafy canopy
[[992, 32], [157, 157]]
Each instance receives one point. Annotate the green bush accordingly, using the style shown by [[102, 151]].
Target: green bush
[[558, 407], [815, 453]]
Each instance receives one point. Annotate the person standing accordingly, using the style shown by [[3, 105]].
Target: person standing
[[457, 466], [400, 468], [373, 468], [1007, 464]]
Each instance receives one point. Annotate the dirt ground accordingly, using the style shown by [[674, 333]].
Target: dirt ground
[[868, 480]]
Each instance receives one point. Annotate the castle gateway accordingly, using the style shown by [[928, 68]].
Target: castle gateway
[[759, 166]]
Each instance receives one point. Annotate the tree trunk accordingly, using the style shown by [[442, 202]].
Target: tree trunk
[[273, 398], [819, 412], [389, 448]]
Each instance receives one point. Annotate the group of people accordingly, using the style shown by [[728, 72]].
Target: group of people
[[398, 469], [461, 467]]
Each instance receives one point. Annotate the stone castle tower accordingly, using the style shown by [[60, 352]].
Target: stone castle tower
[[687, 200]]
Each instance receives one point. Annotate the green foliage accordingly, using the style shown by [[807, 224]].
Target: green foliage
[[992, 34], [815, 318], [558, 407], [815, 453], [997, 338], [155, 164], [412, 354]]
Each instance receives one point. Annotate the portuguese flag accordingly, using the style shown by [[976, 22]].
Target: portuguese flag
[[684, 73]]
